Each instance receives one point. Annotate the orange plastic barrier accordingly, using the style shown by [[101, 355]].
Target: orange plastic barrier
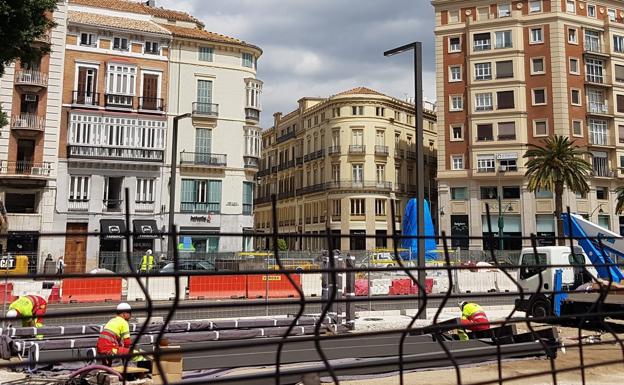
[[208, 287], [278, 286], [91, 290], [6, 292]]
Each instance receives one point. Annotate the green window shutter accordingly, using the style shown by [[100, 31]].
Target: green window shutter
[[214, 194]]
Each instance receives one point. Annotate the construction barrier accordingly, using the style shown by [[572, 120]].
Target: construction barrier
[[91, 290], [361, 287], [476, 282], [217, 287], [32, 287], [428, 287], [504, 284], [311, 285], [401, 286], [159, 288], [6, 292], [278, 286], [380, 286]]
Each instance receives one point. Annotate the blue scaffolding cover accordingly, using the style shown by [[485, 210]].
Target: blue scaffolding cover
[[410, 228]]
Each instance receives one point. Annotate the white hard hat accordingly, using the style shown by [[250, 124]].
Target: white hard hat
[[149, 252], [124, 307], [12, 313], [462, 304]]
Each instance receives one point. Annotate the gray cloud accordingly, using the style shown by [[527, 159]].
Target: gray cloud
[[321, 47]]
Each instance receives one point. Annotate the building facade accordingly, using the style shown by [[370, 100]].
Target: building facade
[[338, 162], [510, 73], [30, 95]]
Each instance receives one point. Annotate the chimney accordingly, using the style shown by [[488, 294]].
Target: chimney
[[151, 3]]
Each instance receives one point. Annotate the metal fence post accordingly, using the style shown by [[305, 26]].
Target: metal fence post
[[350, 291]]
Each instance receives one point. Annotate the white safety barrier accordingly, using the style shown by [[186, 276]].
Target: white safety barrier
[[476, 282], [380, 286], [31, 287], [504, 284], [311, 285], [159, 288], [440, 280]]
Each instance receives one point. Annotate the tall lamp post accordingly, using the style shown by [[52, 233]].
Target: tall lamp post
[[420, 162], [172, 182], [501, 220]]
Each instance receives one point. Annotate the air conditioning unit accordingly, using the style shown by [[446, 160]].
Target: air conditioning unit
[[30, 98]]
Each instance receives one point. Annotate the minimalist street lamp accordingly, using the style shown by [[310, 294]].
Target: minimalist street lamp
[[172, 182], [420, 162]]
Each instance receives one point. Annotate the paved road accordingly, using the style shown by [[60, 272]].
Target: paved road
[[61, 314]]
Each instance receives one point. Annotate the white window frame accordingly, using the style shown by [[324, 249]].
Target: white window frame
[[151, 43], [452, 137], [150, 72], [358, 206], [578, 66], [253, 88], [79, 188], [252, 141], [207, 55], [115, 75], [533, 60], [504, 39], [533, 9], [483, 71], [94, 41], [503, 10], [245, 60], [121, 39], [481, 100], [380, 172], [574, 35], [571, 9], [592, 13], [380, 207], [532, 36], [535, 122], [580, 124], [533, 96], [618, 43], [457, 162], [456, 103], [486, 163], [450, 46], [612, 14], [145, 188], [580, 97], [459, 72], [357, 172]]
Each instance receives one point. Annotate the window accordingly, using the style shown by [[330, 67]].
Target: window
[[483, 102], [380, 207], [483, 13], [453, 16], [489, 192], [507, 131], [540, 128], [357, 206], [598, 132], [505, 100], [357, 173], [504, 69], [618, 43], [535, 6], [537, 66], [620, 133], [486, 163], [577, 128], [604, 221], [357, 110], [511, 192], [602, 193], [537, 35], [120, 43], [200, 196], [152, 47], [252, 141], [336, 112], [380, 111], [121, 80], [455, 74], [482, 41], [247, 198], [457, 103], [457, 133], [620, 103], [483, 71], [336, 207], [543, 194], [504, 10], [381, 173], [591, 10], [357, 137], [145, 190], [611, 13], [503, 39], [454, 44], [539, 96], [600, 163], [336, 172], [574, 66], [457, 162], [619, 73], [593, 41], [621, 161], [508, 164], [248, 60], [79, 188], [572, 36], [459, 193], [253, 90], [206, 54], [575, 96], [484, 132], [570, 6], [88, 39], [532, 265]]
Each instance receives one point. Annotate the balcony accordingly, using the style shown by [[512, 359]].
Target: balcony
[[598, 80], [299, 161], [333, 150], [286, 194], [261, 200], [286, 136], [252, 115], [112, 205], [200, 207], [78, 205], [247, 209], [411, 155], [44, 39], [28, 122], [115, 153], [21, 172], [152, 104], [203, 159], [357, 149], [31, 81], [335, 185], [594, 48], [596, 108], [381, 150], [144, 206], [205, 110], [119, 101], [311, 189], [398, 153], [507, 137], [600, 139], [86, 99], [251, 162], [262, 173]]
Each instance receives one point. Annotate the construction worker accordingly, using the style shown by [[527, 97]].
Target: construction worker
[[115, 337], [31, 307], [147, 262], [473, 318]]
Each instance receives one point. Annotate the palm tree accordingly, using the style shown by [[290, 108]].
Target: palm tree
[[619, 208], [556, 164]]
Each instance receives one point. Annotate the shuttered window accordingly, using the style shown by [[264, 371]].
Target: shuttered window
[[504, 69], [505, 99]]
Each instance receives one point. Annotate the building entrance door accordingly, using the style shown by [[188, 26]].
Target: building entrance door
[[76, 248]]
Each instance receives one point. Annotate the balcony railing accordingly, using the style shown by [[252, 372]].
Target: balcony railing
[[119, 153], [507, 137], [247, 209], [112, 205], [86, 98], [411, 154], [144, 206], [28, 122], [333, 150], [252, 114], [399, 153], [599, 139], [31, 78], [200, 207], [598, 108], [78, 205], [209, 110], [349, 184], [357, 149], [203, 159], [262, 173], [151, 104], [286, 136], [22, 167], [381, 150], [260, 200], [251, 162], [119, 101]]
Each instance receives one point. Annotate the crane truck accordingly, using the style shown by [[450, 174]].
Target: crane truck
[[550, 276]]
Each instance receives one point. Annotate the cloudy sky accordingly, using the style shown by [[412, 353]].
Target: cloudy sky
[[322, 47]]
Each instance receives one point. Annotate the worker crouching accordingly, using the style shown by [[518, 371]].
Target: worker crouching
[[473, 318], [31, 308], [115, 337]]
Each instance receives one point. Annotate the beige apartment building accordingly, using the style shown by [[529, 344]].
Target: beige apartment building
[[339, 162], [510, 73]]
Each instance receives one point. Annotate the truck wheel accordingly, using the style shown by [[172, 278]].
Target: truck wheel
[[540, 309]]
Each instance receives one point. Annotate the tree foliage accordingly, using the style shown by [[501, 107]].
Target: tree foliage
[[21, 23], [282, 245]]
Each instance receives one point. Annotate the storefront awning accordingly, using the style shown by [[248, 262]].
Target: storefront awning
[[112, 228], [145, 229]]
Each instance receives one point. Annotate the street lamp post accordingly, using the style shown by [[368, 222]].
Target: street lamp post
[[420, 163], [501, 220], [172, 181]]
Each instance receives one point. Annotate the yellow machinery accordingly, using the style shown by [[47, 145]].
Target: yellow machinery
[[14, 265]]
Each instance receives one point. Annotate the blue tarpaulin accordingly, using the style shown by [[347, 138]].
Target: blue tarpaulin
[[410, 228]]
